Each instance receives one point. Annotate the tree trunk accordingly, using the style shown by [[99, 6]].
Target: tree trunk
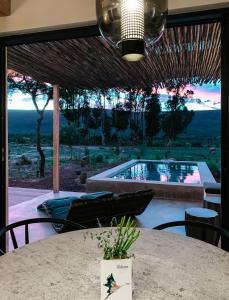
[[143, 126], [39, 149], [103, 120], [149, 141]]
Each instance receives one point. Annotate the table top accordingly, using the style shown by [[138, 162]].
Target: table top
[[213, 199], [200, 212], [67, 267]]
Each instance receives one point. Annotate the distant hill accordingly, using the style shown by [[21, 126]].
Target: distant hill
[[204, 124], [24, 122]]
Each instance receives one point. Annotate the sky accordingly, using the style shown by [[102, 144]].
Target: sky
[[19, 101], [206, 97]]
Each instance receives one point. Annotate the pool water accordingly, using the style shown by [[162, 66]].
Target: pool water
[[161, 171]]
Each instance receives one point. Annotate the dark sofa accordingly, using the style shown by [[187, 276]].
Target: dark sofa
[[88, 209]]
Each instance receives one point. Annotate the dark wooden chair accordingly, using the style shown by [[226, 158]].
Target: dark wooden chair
[[68, 226], [218, 230]]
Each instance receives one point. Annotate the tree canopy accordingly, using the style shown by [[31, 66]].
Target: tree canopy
[[37, 90]]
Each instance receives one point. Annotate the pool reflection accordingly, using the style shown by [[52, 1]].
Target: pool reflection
[[162, 171]]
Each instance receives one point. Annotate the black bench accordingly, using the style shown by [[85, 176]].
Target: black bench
[[88, 211]]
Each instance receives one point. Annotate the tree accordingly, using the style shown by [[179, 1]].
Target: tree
[[130, 105], [37, 90], [107, 128], [101, 98], [95, 118], [120, 117], [68, 136], [136, 104], [86, 109], [177, 117], [70, 105], [75, 105], [152, 117]]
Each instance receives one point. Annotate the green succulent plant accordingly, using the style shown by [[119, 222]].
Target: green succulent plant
[[116, 242]]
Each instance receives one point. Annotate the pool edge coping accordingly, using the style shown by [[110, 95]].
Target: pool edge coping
[[205, 174]]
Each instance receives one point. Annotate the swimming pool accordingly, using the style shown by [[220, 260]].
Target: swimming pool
[[168, 179], [161, 171]]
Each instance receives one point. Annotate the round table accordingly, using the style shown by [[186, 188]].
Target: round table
[[67, 267]]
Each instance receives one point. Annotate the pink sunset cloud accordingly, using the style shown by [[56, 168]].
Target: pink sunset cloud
[[204, 92]]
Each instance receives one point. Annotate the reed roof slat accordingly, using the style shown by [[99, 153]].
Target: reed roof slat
[[184, 55]]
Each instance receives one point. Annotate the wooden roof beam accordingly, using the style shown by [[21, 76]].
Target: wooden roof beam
[[5, 8]]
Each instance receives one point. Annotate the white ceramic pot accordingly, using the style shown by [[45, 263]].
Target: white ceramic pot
[[116, 279]]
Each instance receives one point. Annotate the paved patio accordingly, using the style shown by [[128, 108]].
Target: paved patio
[[19, 195], [23, 205]]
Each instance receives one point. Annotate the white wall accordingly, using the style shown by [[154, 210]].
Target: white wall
[[37, 15], [34, 15]]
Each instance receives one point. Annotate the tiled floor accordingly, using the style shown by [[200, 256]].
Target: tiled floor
[[28, 210], [19, 195], [163, 211], [158, 212]]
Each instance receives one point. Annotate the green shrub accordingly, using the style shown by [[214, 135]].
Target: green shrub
[[214, 168], [197, 144], [158, 157], [99, 158], [117, 150], [84, 161], [93, 160], [83, 178], [86, 151]]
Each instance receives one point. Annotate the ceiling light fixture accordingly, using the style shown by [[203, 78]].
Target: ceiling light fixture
[[132, 25]]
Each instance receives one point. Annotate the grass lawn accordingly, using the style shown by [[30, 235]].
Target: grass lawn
[[93, 160]]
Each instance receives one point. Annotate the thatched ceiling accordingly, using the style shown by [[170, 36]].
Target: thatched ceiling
[[184, 54]]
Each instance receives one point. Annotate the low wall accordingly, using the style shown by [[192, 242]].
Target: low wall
[[162, 190]]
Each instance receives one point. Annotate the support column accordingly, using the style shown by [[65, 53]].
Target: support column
[[56, 139], [225, 126], [3, 145]]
